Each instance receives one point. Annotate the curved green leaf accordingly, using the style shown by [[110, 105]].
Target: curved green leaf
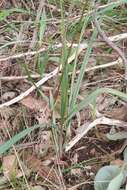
[[104, 176], [116, 183], [117, 136]]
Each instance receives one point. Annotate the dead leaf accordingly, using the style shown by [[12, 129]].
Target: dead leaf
[[40, 107], [104, 101], [33, 103], [7, 112], [49, 174], [118, 113], [9, 166]]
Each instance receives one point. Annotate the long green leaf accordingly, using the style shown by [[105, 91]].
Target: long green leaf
[[64, 92], [7, 145], [82, 70], [85, 23], [64, 77], [104, 177], [42, 27]]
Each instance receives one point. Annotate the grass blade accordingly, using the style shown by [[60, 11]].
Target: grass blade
[[7, 145], [86, 21], [82, 70], [42, 27]]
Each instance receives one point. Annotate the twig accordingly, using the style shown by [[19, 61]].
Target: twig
[[110, 43], [118, 61], [32, 88], [85, 129], [36, 76], [84, 45], [10, 78], [19, 55], [32, 53]]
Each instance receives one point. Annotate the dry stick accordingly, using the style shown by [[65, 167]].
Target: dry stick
[[85, 128], [10, 78], [19, 55], [110, 43], [32, 88], [85, 45], [35, 76], [32, 53]]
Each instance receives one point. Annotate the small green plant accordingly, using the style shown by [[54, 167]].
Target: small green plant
[[111, 177]]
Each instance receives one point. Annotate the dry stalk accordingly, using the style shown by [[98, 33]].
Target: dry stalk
[[110, 43], [85, 129]]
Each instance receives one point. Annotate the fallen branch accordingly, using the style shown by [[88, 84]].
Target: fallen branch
[[85, 129]]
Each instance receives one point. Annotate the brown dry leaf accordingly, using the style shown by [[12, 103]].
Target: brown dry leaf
[[118, 113], [7, 112], [33, 103], [104, 101], [9, 166], [41, 108], [49, 174]]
